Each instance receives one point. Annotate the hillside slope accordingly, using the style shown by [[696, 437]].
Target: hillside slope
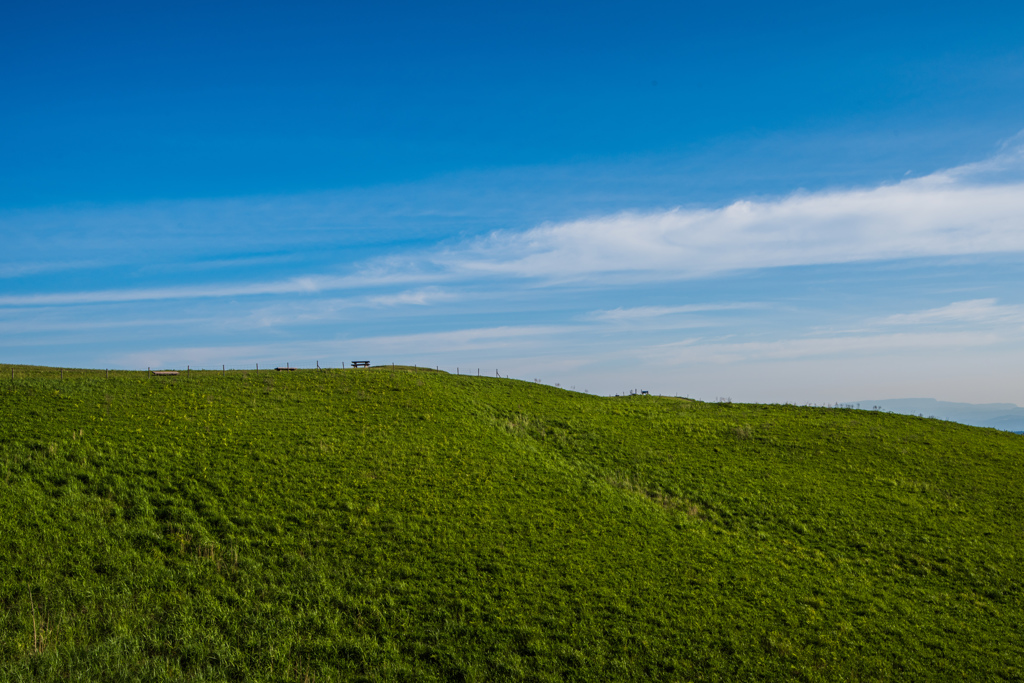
[[411, 525]]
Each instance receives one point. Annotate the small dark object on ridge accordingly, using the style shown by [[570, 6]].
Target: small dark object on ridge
[[360, 363]]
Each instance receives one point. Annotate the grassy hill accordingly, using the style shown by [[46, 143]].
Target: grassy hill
[[412, 525]]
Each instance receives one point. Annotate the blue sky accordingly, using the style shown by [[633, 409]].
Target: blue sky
[[784, 202]]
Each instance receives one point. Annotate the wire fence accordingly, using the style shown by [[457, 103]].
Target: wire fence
[[24, 372], [15, 372]]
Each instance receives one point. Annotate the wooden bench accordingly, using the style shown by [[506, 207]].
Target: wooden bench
[[360, 363], [288, 369], [165, 373]]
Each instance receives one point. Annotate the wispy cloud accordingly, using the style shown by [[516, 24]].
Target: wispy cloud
[[965, 210], [13, 270], [974, 311], [51, 324], [299, 285], [473, 339], [647, 312], [417, 297], [971, 209], [700, 351], [221, 263], [293, 286], [322, 309], [960, 325]]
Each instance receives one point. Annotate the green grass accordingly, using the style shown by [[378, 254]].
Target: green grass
[[412, 525]]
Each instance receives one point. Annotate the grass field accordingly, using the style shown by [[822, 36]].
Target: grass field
[[413, 525]]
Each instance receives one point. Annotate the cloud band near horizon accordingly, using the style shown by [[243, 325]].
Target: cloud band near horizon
[[958, 211]]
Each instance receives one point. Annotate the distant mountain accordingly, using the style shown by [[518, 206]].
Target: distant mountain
[[1005, 416]]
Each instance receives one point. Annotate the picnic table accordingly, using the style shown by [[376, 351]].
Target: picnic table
[[360, 363]]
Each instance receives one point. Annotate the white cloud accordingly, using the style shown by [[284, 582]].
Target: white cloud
[[972, 209], [693, 351], [946, 213], [13, 270], [21, 326], [299, 285], [160, 293], [418, 297], [646, 312], [975, 311], [503, 337]]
